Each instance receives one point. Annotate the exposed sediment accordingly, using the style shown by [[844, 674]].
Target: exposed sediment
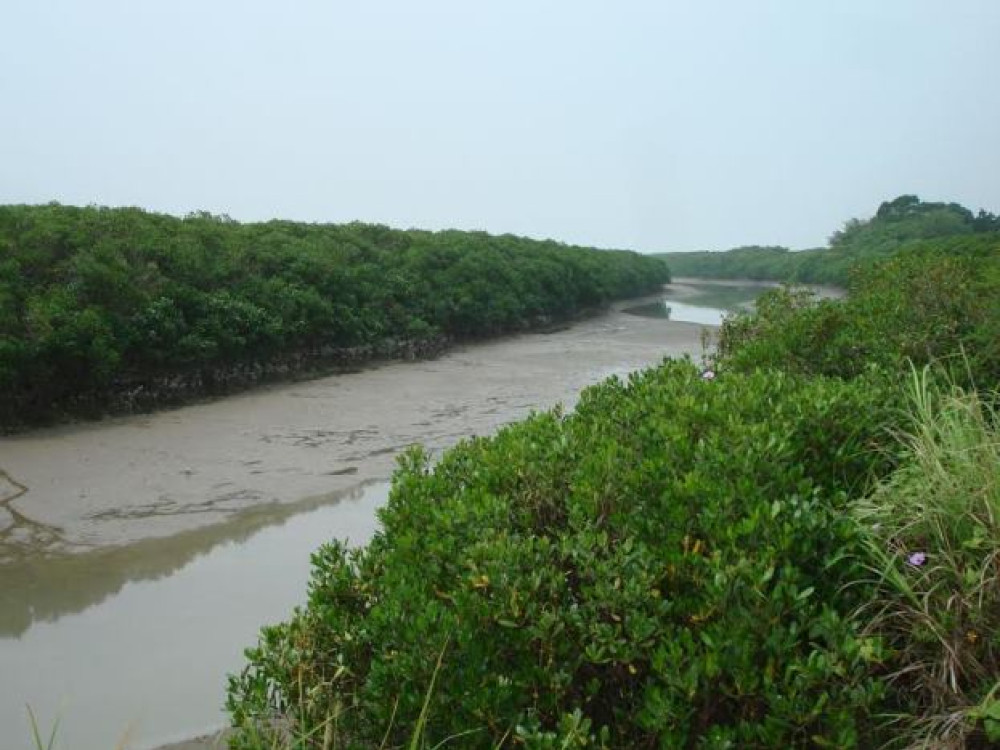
[[124, 479]]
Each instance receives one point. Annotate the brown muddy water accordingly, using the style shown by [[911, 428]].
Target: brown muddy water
[[140, 555]]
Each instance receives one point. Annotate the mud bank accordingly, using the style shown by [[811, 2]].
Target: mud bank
[[119, 481], [140, 554]]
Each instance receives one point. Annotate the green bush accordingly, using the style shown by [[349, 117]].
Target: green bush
[[663, 567], [97, 301], [920, 308]]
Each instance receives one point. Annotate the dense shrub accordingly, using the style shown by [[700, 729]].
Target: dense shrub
[[96, 300], [664, 567], [920, 307]]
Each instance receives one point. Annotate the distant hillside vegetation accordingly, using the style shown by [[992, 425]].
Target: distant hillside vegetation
[[903, 224], [102, 306]]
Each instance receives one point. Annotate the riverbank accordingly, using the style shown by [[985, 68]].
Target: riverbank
[[126, 479], [107, 308], [117, 513]]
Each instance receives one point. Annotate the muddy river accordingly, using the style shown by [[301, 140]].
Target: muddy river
[[140, 555]]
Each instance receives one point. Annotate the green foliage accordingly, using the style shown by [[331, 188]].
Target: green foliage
[[932, 532], [683, 561], [93, 300], [36, 735], [749, 262], [919, 307], [903, 225], [662, 567], [900, 220]]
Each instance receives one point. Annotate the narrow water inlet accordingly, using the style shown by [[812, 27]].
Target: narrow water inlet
[[707, 302], [136, 642], [678, 311]]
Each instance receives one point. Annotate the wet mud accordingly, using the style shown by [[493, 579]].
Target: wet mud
[[81, 488]]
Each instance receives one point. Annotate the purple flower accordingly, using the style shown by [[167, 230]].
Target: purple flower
[[708, 375], [917, 559]]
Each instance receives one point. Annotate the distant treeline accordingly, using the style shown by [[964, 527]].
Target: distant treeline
[[97, 302], [903, 224]]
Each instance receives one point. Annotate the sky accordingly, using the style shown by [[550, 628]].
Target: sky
[[654, 126]]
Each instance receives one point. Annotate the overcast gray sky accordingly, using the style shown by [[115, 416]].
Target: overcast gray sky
[[651, 125]]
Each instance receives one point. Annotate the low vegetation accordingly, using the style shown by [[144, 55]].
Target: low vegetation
[[120, 308], [932, 537], [579, 560], [786, 546], [917, 307]]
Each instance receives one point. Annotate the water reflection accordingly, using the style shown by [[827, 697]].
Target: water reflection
[[702, 302], [679, 311], [708, 301], [43, 589], [140, 638]]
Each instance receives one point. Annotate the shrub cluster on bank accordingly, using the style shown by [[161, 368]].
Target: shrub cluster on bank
[[661, 561], [916, 307], [97, 301], [743, 556]]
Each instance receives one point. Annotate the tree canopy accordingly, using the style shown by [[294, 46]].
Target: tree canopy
[[903, 224], [97, 300]]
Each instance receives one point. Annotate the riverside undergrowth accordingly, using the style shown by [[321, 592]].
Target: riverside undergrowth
[[679, 562], [932, 536], [663, 564]]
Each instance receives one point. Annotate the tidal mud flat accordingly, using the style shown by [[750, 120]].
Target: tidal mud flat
[[121, 480]]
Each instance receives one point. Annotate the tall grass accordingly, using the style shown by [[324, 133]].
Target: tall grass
[[36, 735], [932, 532], [282, 734]]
